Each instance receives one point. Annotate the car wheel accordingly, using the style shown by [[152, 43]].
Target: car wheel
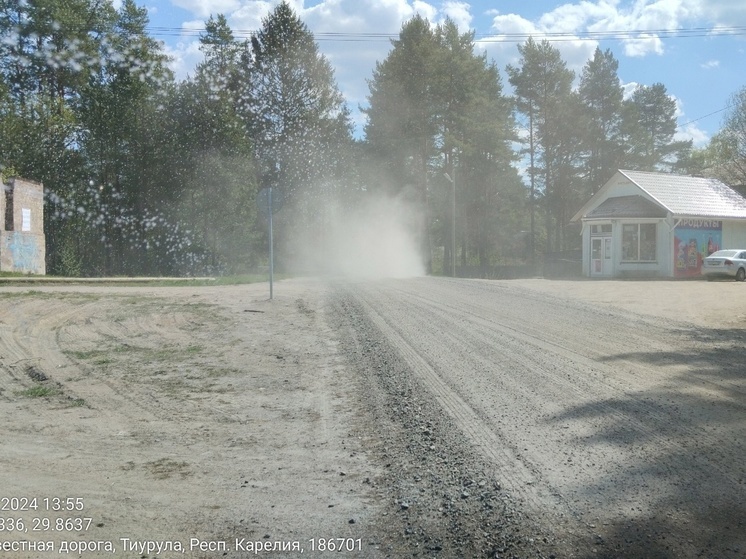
[[740, 274]]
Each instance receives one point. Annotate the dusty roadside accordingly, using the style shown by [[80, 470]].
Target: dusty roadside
[[554, 425], [717, 304], [185, 417], [212, 420]]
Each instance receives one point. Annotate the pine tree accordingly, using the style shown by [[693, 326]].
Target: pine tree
[[475, 129], [649, 125], [297, 120], [602, 95], [217, 182], [437, 107], [543, 90]]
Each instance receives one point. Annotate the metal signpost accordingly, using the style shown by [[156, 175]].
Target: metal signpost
[[271, 246], [269, 206]]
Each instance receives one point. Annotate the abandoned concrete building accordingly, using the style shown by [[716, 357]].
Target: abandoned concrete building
[[22, 241]]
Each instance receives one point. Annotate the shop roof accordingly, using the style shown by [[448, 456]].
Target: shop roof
[[682, 196], [626, 206]]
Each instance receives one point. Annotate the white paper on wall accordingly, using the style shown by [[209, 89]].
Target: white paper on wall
[[25, 219]]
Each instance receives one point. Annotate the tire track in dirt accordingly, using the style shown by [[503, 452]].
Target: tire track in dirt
[[519, 478], [26, 341], [500, 341], [465, 351], [200, 418], [633, 334], [448, 500]]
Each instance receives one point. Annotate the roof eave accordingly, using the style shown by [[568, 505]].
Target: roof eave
[[589, 204]]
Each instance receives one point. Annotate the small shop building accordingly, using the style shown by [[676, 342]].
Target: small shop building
[[643, 224]]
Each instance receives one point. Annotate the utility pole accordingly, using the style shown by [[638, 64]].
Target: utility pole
[[453, 219]]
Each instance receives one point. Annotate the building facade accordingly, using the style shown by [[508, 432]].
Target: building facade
[[22, 241], [642, 224]]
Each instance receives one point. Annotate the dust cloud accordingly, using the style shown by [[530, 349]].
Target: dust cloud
[[375, 240]]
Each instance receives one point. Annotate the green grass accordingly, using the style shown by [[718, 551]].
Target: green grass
[[166, 467], [32, 293], [235, 279], [96, 356], [169, 353], [238, 279], [38, 392]]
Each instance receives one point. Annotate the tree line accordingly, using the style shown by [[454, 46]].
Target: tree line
[[146, 174]]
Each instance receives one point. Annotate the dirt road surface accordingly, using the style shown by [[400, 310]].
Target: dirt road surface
[[424, 417]]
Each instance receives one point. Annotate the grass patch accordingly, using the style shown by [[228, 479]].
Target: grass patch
[[38, 392], [103, 361], [33, 293], [165, 468], [237, 279], [84, 355], [29, 293], [96, 356], [170, 353]]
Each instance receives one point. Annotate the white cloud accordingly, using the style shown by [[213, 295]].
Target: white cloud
[[513, 29], [249, 16], [639, 24], [571, 18], [710, 64], [726, 13], [428, 11], [205, 8], [184, 58], [691, 131], [679, 106], [628, 89], [460, 13], [643, 45]]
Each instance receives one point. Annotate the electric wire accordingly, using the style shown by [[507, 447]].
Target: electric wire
[[622, 35]]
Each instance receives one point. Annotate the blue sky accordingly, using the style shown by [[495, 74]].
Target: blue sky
[[696, 48]]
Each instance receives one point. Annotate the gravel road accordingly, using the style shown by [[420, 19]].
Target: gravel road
[[422, 417], [515, 423]]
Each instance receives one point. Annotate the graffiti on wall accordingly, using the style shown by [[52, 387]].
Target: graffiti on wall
[[695, 240], [23, 250]]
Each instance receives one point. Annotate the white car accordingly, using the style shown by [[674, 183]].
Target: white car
[[725, 263]]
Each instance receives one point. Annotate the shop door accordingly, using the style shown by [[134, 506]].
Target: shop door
[[601, 256]]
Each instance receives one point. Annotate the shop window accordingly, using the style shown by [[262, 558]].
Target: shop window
[[604, 229], [639, 242]]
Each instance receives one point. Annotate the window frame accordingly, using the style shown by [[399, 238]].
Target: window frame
[[641, 245]]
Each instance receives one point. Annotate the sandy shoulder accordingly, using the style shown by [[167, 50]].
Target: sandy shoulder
[[179, 415], [719, 304]]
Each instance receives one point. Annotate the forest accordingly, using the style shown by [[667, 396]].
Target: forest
[[145, 174]]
